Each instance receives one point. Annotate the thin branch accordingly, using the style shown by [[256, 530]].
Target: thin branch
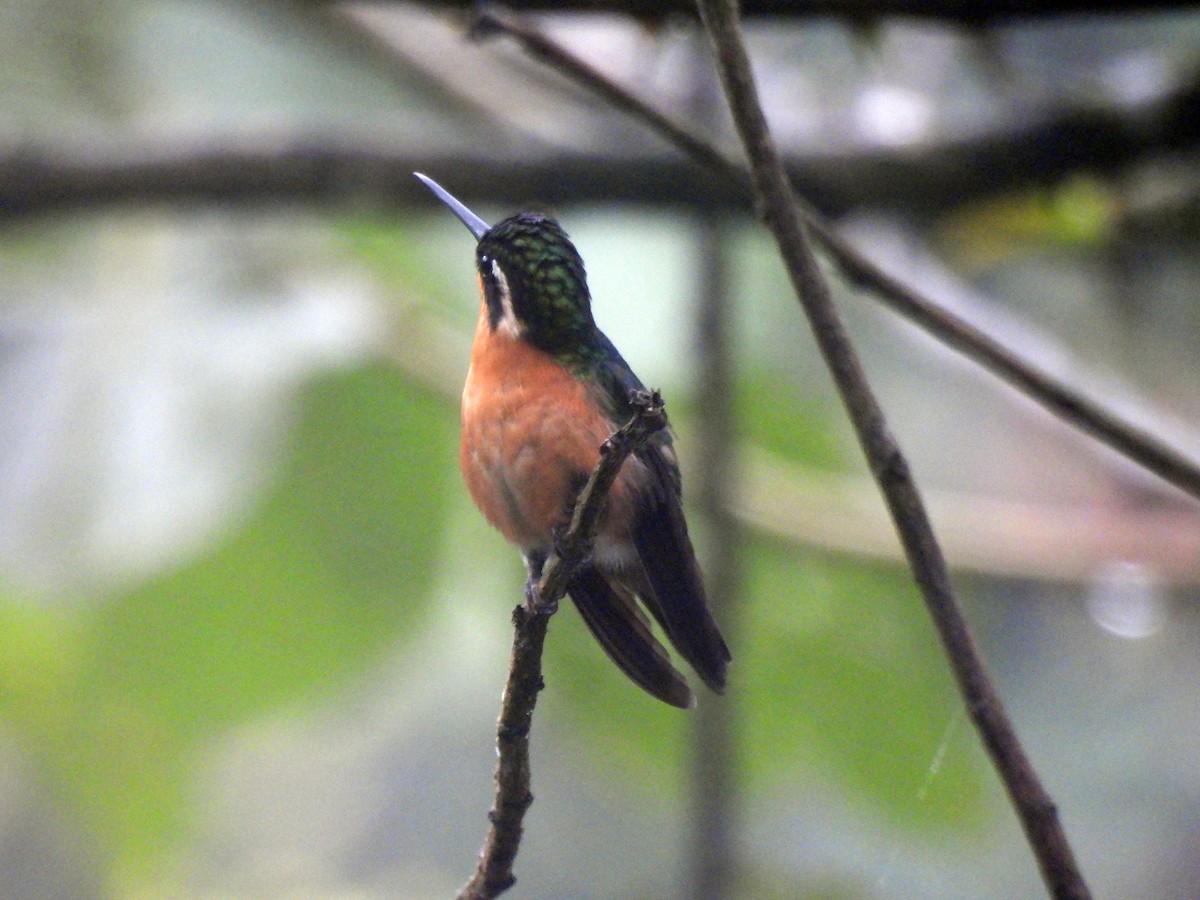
[[490, 23], [981, 532], [976, 12], [1060, 399], [1034, 807], [494, 871]]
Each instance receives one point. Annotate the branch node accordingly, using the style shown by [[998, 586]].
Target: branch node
[[577, 547], [538, 604], [649, 416]]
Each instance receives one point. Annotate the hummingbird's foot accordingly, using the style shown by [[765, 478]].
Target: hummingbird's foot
[[533, 600], [535, 561]]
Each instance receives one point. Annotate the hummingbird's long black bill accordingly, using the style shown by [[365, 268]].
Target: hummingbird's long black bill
[[474, 224]]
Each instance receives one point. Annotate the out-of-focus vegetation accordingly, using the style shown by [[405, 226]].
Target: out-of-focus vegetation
[[253, 635], [118, 699]]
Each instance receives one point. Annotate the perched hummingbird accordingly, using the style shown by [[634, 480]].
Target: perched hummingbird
[[545, 389]]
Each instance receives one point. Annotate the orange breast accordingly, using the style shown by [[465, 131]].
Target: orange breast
[[530, 436]]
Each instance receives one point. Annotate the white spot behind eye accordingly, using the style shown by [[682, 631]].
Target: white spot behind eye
[[508, 323]]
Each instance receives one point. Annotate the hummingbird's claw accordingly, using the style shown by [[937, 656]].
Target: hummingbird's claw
[[533, 601]]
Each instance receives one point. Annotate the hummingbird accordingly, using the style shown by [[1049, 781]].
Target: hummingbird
[[544, 390]]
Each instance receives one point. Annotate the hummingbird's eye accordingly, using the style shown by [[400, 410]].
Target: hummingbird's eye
[[487, 272]]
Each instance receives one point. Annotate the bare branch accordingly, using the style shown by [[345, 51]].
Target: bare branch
[[494, 870], [1034, 807], [1060, 399], [977, 12]]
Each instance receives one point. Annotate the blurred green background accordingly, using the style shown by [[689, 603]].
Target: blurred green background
[[253, 634]]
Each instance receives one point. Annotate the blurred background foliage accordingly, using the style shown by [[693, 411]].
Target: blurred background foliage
[[252, 633]]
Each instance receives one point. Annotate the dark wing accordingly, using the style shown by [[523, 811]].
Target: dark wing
[[677, 596], [612, 615], [674, 590], [614, 378]]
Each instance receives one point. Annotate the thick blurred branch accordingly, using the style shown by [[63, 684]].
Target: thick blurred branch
[[494, 871], [1033, 804], [369, 170]]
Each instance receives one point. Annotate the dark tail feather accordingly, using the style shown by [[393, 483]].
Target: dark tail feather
[[616, 622], [676, 595]]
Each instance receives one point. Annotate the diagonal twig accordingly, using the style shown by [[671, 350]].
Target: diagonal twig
[[949, 12], [1033, 804], [494, 870], [1062, 400]]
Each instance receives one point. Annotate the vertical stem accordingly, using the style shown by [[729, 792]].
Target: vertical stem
[[712, 849]]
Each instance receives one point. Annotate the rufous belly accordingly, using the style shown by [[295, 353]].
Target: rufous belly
[[531, 436]]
